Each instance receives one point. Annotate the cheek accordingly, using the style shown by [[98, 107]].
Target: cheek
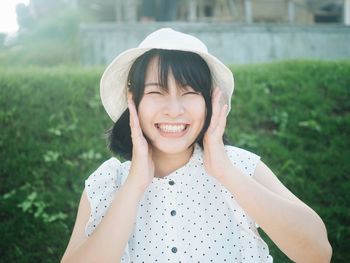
[[148, 105], [197, 109], [197, 106], [146, 110]]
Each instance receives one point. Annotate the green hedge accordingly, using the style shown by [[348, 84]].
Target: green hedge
[[294, 114]]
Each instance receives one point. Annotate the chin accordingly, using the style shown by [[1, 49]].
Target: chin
[[172, 147]]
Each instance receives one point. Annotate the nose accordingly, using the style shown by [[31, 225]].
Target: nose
[[173, 106]]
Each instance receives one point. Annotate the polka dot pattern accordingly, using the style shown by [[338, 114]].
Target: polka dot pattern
[[187, 216]]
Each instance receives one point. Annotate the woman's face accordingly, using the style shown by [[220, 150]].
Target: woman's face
[[171, 119]]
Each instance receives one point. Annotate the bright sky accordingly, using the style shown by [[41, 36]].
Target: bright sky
[[8, 22]]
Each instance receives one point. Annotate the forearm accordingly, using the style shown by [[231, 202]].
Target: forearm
[[108, 241], [296, 229]]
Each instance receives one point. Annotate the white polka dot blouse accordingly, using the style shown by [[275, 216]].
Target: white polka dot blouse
[[186, 216]]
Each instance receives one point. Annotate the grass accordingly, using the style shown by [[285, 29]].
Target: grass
[[295, 114]]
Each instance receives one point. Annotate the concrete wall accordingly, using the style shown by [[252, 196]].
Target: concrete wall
[[232, 43]]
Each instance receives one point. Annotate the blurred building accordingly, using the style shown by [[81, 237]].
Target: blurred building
[[236, 31], [306, 12]]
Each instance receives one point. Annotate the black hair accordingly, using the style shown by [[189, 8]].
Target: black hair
[[188, 69]]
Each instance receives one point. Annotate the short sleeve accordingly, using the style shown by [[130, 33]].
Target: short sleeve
[[101, 187], [245, 160]]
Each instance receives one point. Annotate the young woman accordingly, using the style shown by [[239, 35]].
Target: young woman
[[184, 195]]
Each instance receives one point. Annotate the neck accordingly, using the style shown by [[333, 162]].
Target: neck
[[166, 163]]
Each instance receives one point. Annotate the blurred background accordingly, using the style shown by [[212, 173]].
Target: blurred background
[[86, 32], [291, 104]]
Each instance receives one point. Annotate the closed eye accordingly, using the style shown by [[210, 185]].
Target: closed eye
[[154, 92], [191, 93]]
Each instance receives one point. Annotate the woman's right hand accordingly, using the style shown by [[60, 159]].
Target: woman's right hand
[[142, 165]]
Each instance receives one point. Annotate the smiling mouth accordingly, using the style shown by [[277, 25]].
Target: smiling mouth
[[172, 128]]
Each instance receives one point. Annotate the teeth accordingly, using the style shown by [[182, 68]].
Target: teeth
[[171, 128]]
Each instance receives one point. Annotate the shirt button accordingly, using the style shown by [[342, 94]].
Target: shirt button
[[174, 249], [171, 182], [173, 212]]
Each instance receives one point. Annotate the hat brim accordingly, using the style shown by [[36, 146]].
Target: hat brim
[[113, 84]]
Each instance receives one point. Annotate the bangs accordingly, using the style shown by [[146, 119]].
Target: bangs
[[188, 69]]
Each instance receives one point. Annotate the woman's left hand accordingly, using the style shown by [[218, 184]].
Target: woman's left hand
[[215, 157]]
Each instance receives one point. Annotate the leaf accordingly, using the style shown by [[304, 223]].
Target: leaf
[[51, 156], [311, 124]]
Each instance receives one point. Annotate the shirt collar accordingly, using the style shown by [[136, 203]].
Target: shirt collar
[[184, 173]]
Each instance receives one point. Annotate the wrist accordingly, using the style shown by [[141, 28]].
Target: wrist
[[226, 167], [231, 173], [134, 186]]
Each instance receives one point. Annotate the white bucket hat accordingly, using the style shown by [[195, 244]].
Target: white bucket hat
[[113, 85]]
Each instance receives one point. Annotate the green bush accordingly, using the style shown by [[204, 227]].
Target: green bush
[[296, 115], [293, 114]]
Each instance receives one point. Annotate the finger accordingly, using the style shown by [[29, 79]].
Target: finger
[[131, 111], [136, 131], [222, 120], [216, 108], [215, 97]]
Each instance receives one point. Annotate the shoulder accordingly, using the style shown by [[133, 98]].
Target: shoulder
[[108, 175], [236, 153], [244, 159], [111, 163], [107, 168]]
